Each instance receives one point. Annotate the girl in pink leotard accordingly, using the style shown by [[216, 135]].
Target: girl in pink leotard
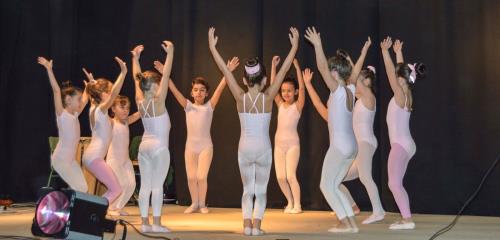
[[401, 79], [69, 102], [199, 148], [290, 103], [102, 95]]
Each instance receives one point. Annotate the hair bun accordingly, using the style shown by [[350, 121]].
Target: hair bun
[[420, 69], [252, 66], [371, 68], [342, 53], [66, 84], [139, 76], [252, 62]]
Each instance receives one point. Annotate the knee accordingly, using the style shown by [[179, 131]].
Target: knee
[[83, 188], [260, 194], [157, 192], [395, 185], [145, 189], [192, 179], [281, 179], [117, 190], [201, 179], [132, 185], [292, 179], [324, 185], [365, 180], [324, 188], [248, 193]]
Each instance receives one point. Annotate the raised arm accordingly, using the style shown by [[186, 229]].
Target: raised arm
[[275, 86], [231, 64], [56, 90], [117, 86], [168, 47], [85, 98], [274, 64], [136, 69], [359, 63], [177, 94], [228, 75], [398, 49], [315, 39], [302, 91], [134, 118], [389, 67], [320, 107]]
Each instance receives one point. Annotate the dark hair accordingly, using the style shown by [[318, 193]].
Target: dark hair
[[369, 73], [200, 80], [97, 87], [121, 101], [147, 79], [69, 90], [292, 81], [340, 64], [343, 53], [255, 78], [403, 70]]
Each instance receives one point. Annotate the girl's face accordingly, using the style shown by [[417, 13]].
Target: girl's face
[[288, 92], [73, 103], [199, 93], [121, 111]]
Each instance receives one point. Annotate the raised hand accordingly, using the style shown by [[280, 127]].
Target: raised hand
[[398, 46], [276, 60], [313, 36], [168, 47], [212, 39], [136, 52], [122, 64], [158, 66], [90, 76], [386, 44], [46, 63], [367, 45], [307, 75], [233, 63], [294, 36]]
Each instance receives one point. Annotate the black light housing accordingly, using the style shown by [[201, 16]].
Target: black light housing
[[69, 214]]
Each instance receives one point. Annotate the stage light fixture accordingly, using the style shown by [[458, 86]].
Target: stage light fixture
[[69, 214]]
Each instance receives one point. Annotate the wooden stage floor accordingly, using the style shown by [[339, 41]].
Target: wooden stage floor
[[226, 223]]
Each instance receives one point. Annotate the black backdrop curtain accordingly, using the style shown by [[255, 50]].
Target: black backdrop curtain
[[456, 122]]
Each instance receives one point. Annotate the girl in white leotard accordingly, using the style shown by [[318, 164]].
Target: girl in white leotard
[[118, 153], [363, 117], [199, 148], [154, 157], [401, 79], [343, 145], [287, 142], [102, 95], [69, 102], [254, 110]]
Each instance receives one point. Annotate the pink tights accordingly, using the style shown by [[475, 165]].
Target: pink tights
[[396, 168], [105, 174]]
